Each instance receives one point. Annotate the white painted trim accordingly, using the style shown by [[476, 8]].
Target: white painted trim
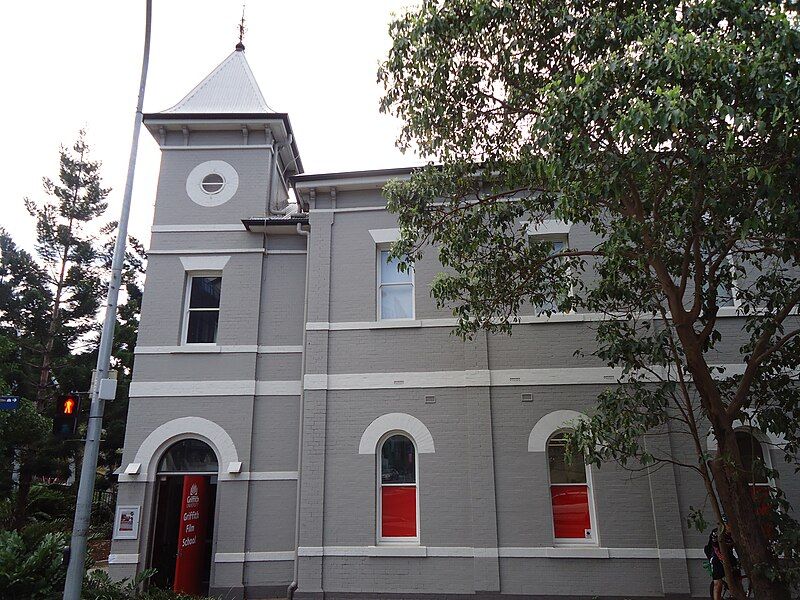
[[278, 388], [379, 249], [204, 263], [123, 559], [187, 298], [380, 539], [198, 228], [232, 349], [350, 209], [400, 422], [221, 147], [226, 171], [540, 435], [195, 349], [245, 476], [206, 251], [767, 439], [451, 322], [504, 552], [238, 557], [475, 378], [271, 252], [385, 236], [374, 381], [165, 435], [549, 227], [548, 425], [280, 349], [244, 387], [271, 476]]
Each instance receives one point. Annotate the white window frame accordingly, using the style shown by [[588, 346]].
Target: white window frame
[[187, 298], [566, 542], [379, 537], [758, 436], [378, 284], [552, 237]]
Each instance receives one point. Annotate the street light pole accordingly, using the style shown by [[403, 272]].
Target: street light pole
[[83, 506]]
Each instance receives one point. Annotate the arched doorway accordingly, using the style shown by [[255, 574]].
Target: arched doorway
[[183, 523]]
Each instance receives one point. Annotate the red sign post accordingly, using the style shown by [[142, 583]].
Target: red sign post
[[192, 535]]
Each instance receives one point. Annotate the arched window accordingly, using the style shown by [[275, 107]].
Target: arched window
[[570, 493], [189, 456], [398, 498], [754, 462]]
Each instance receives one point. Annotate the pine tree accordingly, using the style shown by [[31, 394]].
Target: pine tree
[[67, 276]]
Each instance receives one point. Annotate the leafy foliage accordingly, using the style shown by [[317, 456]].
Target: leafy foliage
[[49, 306], [667, 132], [31, 572]]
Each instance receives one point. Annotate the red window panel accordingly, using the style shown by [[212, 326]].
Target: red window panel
[[760, 493], [399, 511], [571, 511]]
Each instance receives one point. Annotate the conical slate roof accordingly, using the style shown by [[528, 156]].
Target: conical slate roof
[[230, 88]]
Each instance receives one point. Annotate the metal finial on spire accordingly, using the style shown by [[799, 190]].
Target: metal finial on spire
[[242, 29]]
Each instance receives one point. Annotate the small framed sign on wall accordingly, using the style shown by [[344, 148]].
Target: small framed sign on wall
[[126, 523]]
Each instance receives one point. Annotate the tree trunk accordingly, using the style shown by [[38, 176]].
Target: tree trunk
[[751, 541], [23, 492], [735, 497]]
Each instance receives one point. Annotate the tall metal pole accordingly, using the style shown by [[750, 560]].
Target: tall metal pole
[[83, 506]]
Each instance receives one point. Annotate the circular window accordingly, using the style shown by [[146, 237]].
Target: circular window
[[212, 183]]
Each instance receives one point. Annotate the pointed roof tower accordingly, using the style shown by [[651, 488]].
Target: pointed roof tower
[[230, 88], [228, 99]]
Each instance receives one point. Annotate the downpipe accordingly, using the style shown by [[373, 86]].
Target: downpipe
[[293, 585]]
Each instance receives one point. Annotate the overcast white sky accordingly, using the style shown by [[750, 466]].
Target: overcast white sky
[[68, 65]]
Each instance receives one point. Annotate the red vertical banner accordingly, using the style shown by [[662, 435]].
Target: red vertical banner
[[191, 535]]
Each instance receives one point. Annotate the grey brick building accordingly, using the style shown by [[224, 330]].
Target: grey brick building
[[340, 436]]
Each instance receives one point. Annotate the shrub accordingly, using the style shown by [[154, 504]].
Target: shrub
[[31, 571], [99, 586]]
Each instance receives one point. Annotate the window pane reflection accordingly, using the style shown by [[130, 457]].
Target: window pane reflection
[[397, 460]]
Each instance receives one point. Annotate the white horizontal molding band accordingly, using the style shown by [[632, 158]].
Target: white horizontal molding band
[[349, 209], [280, 349], [220, 147], [271, 252], [475, 378], [222, 477], [123, 559], [267, 476], [198, 228], [507, 552], [210, 349], [450, 322], [186, 251], [238, 557], [245, 387]]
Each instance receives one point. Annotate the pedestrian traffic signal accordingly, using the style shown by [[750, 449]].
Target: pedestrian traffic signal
[[65, 422]]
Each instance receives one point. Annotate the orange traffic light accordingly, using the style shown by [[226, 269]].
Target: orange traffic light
[[65, 421]]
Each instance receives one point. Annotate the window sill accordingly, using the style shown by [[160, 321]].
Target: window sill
[[393, 548], [395, 323]]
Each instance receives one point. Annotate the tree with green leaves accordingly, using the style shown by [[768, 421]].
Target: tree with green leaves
[[669, 130], [48, 314]]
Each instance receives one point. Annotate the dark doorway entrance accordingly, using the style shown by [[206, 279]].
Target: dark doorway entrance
[[183, 524]]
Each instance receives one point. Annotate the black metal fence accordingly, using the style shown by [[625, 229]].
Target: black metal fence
[[103, 505]]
